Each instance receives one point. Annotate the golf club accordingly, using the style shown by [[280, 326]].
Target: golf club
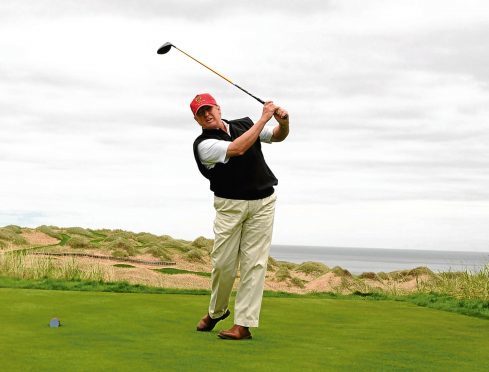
[[165, 48]]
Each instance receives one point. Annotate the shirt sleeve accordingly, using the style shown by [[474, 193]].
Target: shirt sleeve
[[213, 151], [266, 134]]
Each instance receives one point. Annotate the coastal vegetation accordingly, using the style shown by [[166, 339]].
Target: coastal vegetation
[[75, 253]]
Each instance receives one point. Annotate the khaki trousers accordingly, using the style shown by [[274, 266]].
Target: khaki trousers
[[243, 234]]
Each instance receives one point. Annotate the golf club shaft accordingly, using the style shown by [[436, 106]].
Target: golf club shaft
[[222, 76]]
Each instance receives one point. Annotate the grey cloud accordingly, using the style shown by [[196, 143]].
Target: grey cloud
[[195, 10], [37, 77], [451, 50], [22, 218], [443, 167], [395, 185], [331, 195], [20, 158], [102, 121], [362, 83], [409, 131], [10, 109], [429, 135], [424, 166], [403, 124]]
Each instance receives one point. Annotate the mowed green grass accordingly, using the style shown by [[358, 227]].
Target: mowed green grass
[[144, 332]]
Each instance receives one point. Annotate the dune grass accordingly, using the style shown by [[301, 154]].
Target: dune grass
[[23, 266], [312, 268], [120, 243], [11, 235], [283, 273], [134, 331], [462, 285]]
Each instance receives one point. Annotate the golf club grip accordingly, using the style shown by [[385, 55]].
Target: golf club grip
[[258, 99], [244, 90]]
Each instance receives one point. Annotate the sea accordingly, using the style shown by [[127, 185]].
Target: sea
[[359, 260]]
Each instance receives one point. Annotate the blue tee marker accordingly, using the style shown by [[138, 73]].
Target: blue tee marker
[[54, 323]]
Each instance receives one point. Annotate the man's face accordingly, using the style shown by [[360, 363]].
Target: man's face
[[209, 117]]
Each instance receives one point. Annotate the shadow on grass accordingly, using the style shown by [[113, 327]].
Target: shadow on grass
[[172, 271]]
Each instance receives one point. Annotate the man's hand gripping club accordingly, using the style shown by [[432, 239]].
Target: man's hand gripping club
[[241, 144]]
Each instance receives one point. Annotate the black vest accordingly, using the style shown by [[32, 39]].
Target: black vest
[[245, 177]]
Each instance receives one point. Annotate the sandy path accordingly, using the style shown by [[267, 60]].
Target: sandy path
[[35, 238]]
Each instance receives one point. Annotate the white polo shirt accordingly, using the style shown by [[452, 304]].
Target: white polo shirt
[[212, 151]]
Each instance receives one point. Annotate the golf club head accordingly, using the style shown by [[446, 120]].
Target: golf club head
[[165, 48]]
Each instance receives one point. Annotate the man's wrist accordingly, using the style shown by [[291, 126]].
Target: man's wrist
[[261, 122]]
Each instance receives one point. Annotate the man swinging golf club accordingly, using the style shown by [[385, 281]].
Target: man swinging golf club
[[228, 153]]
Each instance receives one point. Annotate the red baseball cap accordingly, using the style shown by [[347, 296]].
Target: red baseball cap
[[200, 100]]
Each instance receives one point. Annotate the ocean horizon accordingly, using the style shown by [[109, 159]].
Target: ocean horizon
[[359, 260]]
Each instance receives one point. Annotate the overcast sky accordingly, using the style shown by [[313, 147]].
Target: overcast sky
[[388, 103]]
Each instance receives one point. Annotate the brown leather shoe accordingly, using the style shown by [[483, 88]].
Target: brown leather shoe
[[236, 332], [207, 324]]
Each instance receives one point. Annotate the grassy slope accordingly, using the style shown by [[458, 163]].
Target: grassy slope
[[131, 331]]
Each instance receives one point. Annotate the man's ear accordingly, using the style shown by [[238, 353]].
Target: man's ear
[[195, 118]]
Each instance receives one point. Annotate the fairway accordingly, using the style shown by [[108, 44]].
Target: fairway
[[127, 331]]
